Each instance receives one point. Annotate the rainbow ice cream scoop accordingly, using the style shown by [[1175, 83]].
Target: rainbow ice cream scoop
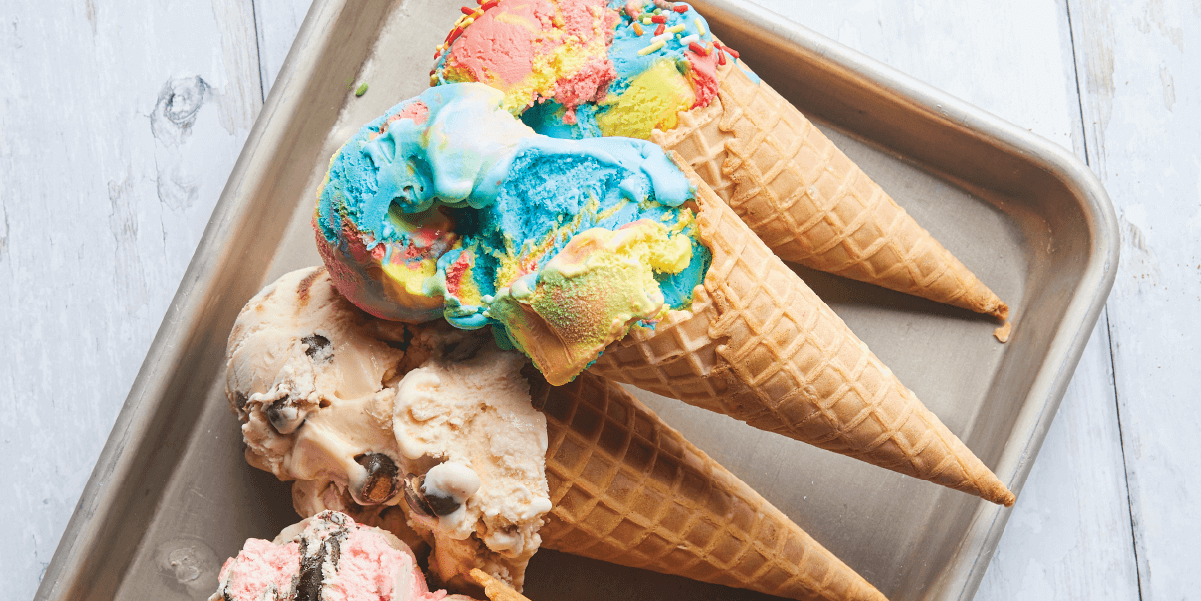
[[448, 206], [587, 68]]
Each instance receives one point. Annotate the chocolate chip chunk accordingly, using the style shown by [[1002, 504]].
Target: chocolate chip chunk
[[240, 400], [429, 505], [308, 587], [319, 348], [441, 505], [312, 576], [414, 497], [381, 477], [284, 416]]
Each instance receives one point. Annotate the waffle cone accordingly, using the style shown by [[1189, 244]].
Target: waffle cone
[[629, 489], [759, 346], [496, 590], [810, 203]]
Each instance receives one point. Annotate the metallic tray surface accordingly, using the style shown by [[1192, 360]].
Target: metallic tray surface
[[171, 496]]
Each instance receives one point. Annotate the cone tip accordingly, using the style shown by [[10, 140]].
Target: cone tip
[[1007, 499], [1001, 312], [998, 493]]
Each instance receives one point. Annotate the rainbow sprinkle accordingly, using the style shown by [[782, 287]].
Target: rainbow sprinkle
[[653, 47]]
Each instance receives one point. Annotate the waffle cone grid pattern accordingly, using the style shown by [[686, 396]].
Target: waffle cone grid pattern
[[629, 489], [809, 202], [761, 347]]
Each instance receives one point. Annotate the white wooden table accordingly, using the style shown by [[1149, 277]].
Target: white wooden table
[[120, 121]]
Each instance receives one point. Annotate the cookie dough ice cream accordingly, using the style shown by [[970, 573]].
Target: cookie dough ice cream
[[380, 414], [485, 500], [300, 358]]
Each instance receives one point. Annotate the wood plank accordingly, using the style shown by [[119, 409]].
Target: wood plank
[[121, 122], [1012, 59], [1068, 536], [1141, 87], [277, 22]]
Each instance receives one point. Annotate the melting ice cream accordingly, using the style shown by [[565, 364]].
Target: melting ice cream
[[448, 206]]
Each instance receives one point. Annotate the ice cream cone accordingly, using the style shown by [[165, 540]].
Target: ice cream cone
[[629, 489], [810, 203], [761, 347]]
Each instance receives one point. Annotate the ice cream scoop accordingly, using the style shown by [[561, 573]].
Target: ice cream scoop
[[586, 68], [327, 557], [654, 70], [449, 206], [299, 347], [436, 421]]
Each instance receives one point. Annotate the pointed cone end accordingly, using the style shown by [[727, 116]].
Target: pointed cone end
[[1002, 497]]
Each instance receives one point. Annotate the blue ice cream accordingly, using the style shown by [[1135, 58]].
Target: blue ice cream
[[449, 206]]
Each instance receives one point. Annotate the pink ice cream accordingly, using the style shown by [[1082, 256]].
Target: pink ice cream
[[327, 557], [260, 566], [587, 68], [542, 47]]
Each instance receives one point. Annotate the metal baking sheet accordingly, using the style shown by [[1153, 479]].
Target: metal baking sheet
[[171, 496]]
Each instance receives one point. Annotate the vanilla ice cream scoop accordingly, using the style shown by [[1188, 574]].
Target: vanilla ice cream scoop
[[302, 360], [488, 495]]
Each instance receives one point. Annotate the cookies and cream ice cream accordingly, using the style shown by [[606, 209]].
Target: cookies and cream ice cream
[[382, 414], [448, 206], [327, 557]]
